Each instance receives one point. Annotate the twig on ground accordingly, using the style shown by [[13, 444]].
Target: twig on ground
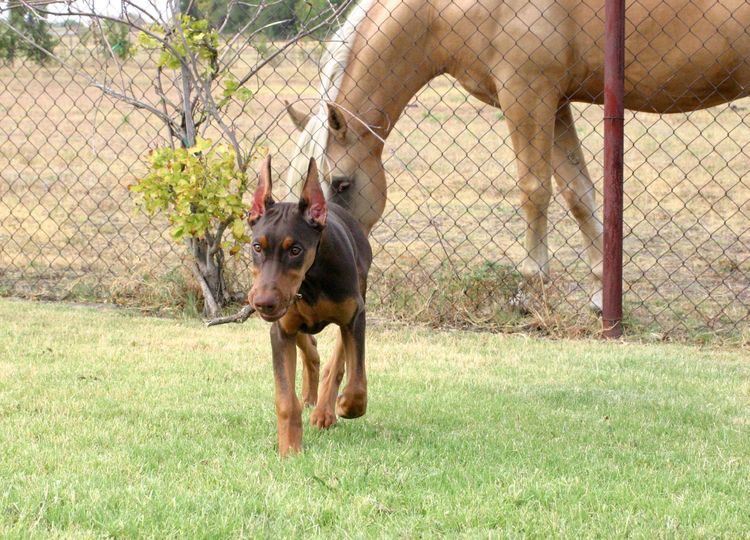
[[239, 317]]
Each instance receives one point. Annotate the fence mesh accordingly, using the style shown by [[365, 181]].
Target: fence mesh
[[449, 243]]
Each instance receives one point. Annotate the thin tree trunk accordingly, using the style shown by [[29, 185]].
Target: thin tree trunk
[[208, 270]]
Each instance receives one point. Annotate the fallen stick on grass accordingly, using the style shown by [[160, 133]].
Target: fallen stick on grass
[[239, 317]]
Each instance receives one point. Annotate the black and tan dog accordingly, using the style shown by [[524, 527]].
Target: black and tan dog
[[310, 260]]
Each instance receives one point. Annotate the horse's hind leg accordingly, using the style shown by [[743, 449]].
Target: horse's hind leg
[[530, 113], [574, 182]]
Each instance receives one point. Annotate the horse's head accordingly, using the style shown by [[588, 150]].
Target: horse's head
[[349, 154]]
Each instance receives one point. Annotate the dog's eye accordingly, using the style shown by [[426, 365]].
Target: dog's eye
[[295, 251], [257, 248]]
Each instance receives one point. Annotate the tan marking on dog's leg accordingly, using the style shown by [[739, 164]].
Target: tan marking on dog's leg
[[288, 408], [310, 368], [324, 413], [352, 403]]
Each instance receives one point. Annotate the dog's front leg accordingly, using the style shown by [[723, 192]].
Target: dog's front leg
[[352, 403], [288, 408], [310, 368], [324, 413]]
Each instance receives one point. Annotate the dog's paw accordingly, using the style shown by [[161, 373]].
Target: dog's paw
[[322, 418], [351, 406]]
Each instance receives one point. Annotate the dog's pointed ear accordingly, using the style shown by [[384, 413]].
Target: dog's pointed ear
[[312, 203], [299, 119], [336, 122], [262, 198]]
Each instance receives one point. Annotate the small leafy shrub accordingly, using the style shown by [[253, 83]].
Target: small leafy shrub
[[198, 189], [195, 36]]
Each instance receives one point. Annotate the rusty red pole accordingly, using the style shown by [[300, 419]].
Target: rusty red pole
[[614, 117]]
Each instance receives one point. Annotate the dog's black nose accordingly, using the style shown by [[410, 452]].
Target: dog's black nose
[[266, 302]]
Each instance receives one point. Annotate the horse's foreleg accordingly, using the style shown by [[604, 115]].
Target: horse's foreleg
[[575, 184], [530, 114]]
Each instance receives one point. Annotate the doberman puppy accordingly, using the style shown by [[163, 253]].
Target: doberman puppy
[[310, 262]]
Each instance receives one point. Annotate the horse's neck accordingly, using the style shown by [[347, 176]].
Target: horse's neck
[[387, 66]]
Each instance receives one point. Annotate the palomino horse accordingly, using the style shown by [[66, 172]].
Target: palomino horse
[[531, 58]]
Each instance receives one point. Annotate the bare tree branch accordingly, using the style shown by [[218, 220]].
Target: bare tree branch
[[239, 317], [230, 7], [212, 307], [300, 35], [111, 53], [164, 101], [140, 10], [93, 15], [187, 112], [238, 53], [230, 44], [214, 111], [92, 81], [214, 244]]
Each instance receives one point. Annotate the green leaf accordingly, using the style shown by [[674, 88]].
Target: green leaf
[[201, 145], [147, 42], [244, 94], [238, 229]]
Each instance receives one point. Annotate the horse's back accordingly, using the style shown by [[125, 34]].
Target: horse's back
[[680, 54]]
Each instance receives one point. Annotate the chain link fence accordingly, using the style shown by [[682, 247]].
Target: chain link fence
[[449, 243]]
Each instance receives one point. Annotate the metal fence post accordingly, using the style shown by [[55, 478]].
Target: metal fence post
[[614, 76]]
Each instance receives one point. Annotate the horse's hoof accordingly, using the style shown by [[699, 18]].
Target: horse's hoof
[[534, 272]]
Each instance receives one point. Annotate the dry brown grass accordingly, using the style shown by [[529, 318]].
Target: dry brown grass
[[68, 223]]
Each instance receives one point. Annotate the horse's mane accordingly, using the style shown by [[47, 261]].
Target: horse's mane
[[313, 139]]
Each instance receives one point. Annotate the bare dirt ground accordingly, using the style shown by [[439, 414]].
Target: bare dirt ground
[[69, 226]]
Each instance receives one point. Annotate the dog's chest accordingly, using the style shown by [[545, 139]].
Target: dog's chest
[[311, 318]]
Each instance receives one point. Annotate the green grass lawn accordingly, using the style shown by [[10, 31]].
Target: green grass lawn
[[125, 426]]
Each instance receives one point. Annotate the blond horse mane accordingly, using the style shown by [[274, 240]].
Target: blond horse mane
[[313, 139]]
